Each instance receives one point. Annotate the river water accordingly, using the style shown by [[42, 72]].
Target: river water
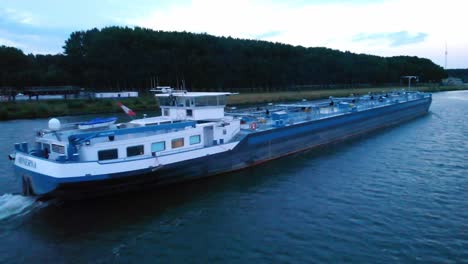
[[395, 195]]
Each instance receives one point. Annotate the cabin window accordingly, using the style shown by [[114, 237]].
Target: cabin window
[[166, 112], [189, 112], [135, 151], [46, 150], [45, 146], [108, 154], [224, 132], [58, 149], [158, 146], [177, 143], [195, 139]]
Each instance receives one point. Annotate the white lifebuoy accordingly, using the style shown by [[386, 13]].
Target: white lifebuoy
[[253, 126]]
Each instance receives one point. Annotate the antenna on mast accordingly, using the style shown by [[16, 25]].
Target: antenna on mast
[[446, 53], [409, 80]]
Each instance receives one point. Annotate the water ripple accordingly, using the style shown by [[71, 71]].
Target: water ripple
[[12, 205], [397, 195]]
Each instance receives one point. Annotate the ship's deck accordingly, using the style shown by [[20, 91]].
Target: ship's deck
[[123, 131], [252, 119], [267, 117]]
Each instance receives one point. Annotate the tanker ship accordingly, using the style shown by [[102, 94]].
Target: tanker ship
[[195, 136]]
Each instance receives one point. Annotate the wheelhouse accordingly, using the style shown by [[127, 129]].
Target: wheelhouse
[[192, 105]]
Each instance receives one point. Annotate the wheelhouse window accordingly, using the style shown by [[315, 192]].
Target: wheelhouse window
[[177, 143], [222, 100], [158, 146], [107, 154], [195, 139], [58, 149], [210, 100], [165, 101], [166, 112], [135, 151]]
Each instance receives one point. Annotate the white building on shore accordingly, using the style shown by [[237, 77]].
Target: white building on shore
[[122, 94]]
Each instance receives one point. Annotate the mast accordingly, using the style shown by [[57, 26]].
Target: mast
[[446, 53]]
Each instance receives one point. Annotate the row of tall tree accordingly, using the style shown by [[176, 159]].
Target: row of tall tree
[[116, 58], [19, 70], [458, 73]]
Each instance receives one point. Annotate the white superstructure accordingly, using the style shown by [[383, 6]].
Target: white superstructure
[[192, 125]]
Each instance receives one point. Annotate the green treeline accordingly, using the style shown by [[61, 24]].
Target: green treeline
[[458, 73], [116, 58]]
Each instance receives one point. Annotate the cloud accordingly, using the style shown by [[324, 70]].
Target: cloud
[[269, 34], [35, 42], [408, 27], [15, 16], [395, 39], [10, 43]]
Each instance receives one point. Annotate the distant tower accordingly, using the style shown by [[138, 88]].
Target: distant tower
[[446, 55]]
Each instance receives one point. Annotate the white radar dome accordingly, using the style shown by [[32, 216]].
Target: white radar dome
[[54, 124]]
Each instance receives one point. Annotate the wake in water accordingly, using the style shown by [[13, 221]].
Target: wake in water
[[436, 115], [15, 204]]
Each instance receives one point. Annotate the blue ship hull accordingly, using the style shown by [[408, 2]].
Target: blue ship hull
[[253, 149]]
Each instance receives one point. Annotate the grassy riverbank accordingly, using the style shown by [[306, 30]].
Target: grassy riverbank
[[248, 98], [53, 108]]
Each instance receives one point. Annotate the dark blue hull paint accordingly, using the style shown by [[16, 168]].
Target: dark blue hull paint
[[255, 148]]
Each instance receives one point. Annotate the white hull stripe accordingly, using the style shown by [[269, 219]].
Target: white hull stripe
[[83, 169]]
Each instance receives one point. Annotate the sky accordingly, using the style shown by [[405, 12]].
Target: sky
[[380, 27]]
